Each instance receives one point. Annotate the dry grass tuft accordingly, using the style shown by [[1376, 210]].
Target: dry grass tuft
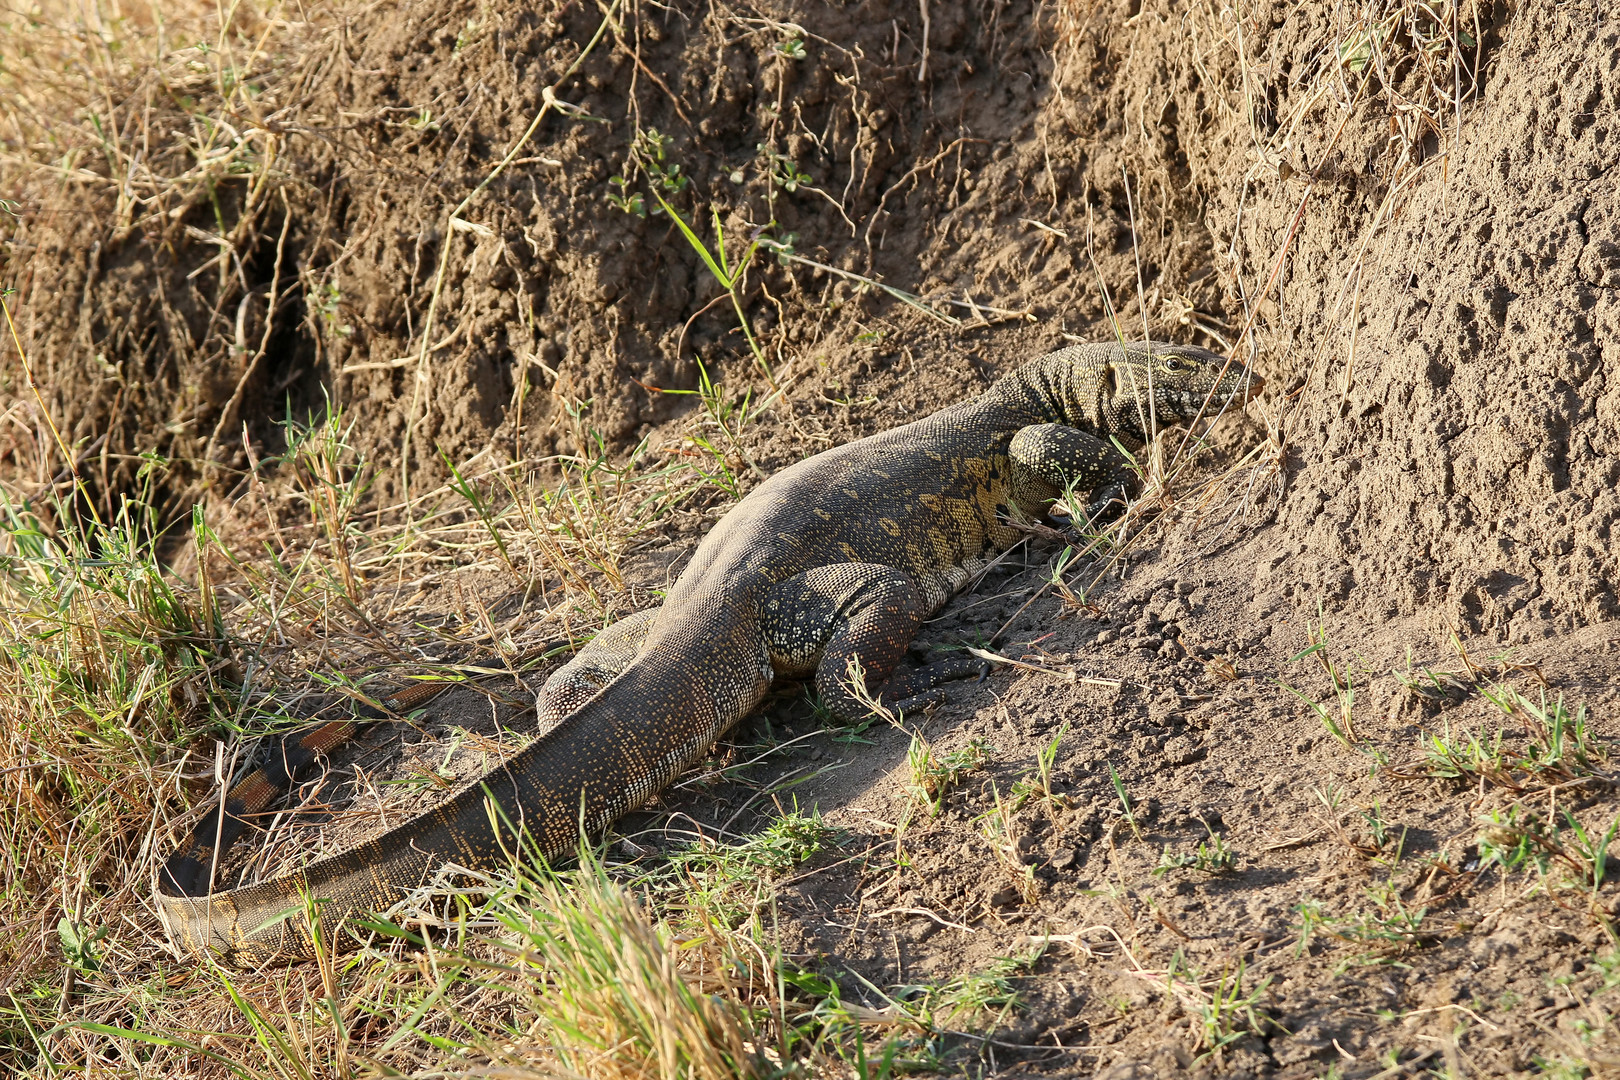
[[110, 665], [147, 131], [616, 998]]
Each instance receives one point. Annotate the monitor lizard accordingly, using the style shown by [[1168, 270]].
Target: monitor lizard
[[824, 570]]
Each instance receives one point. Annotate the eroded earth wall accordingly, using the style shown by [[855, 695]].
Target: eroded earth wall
[[1438, 332]]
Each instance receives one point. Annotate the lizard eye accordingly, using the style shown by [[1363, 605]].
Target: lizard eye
[[1174, 364]]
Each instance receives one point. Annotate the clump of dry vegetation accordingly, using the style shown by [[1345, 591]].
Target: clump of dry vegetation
[[148, 127]]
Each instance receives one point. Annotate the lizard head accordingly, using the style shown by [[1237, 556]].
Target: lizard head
[[1162, 385]]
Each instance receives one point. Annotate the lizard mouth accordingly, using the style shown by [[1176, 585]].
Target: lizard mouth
[[1245, 387], [1216, 401]]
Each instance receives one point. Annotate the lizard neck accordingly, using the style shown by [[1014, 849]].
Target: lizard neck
[[1074, 387]]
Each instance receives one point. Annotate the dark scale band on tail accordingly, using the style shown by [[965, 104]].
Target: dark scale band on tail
[[827, 569]]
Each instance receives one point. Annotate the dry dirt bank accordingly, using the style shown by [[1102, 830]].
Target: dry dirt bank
[[1408, 220]]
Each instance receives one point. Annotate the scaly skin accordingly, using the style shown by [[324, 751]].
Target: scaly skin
[[827, 568]]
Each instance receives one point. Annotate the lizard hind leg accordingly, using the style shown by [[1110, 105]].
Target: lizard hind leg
[[592, 668], [848, 617]]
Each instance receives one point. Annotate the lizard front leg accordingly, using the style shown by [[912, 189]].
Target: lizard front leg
[[592, 668], [1049, 460], [835, 620]]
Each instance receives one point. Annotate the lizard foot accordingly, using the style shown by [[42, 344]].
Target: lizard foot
[[1106, 507], [919, 687]]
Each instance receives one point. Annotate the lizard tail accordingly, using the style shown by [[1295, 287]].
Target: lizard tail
[[605, 759]]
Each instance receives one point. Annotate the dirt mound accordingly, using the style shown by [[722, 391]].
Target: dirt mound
[[1455, 438], [565, 294], [1405, 218], [1447, 309]]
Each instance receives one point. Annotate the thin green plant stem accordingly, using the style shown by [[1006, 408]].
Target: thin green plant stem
[[718, 266]]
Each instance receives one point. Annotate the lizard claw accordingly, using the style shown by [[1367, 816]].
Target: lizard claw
[[1105, 509], [1074, 536]]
